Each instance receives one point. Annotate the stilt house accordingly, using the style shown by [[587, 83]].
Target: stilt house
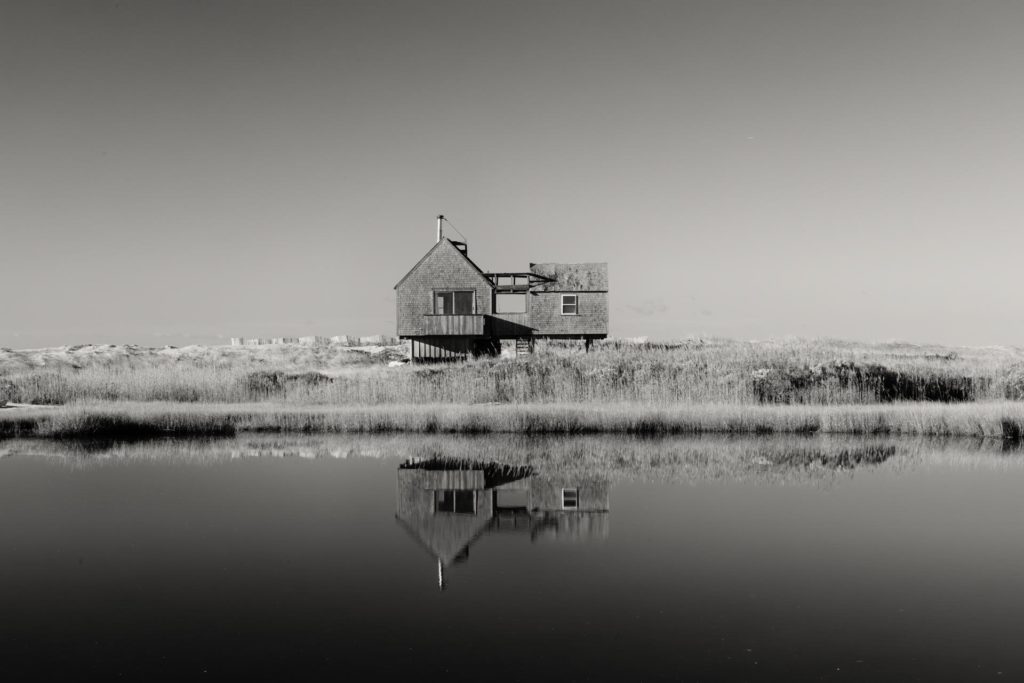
[[450, 308]]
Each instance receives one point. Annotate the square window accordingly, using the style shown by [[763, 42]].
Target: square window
[[570, 499], [570, 304]]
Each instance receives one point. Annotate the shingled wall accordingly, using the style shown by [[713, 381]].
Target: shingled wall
[[546, 314], [443, 268]]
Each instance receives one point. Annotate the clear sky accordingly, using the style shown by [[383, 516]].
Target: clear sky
[[186, 171]]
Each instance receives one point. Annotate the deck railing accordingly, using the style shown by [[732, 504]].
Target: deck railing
[[455, 325]]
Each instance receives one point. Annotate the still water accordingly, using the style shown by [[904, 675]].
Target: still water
[[517, 559]]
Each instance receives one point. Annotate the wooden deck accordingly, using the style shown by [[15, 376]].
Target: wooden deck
[[455, 325]]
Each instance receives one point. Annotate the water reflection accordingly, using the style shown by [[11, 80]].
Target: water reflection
[[814, 460], [448, 504], [295, 556]]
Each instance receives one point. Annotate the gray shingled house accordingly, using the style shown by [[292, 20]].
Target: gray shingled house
[[449, 308]]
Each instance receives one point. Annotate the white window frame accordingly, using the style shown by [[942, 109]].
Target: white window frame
[[575, 304], [575, 498]]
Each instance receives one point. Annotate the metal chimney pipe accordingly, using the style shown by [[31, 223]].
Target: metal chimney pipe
[[440, 230]]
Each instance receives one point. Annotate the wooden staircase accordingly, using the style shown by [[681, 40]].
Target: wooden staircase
[[523, 346]]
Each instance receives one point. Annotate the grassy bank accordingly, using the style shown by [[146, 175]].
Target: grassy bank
[[1003, 419], [718, 386], [821, 372]]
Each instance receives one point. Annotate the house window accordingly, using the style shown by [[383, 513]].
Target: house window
[[570, 304], [510, 303], [455, 501], [570, 499], [454, 303]]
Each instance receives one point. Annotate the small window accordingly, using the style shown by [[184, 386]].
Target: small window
[[570, 304], [455, 501], [453, 303], [570, 499]]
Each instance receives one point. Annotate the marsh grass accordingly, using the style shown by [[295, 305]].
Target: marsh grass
[[791, 372], [688, 387]]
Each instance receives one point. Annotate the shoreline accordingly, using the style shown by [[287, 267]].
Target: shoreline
[[132, 420]]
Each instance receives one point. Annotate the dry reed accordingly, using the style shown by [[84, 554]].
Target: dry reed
[[799, 372]]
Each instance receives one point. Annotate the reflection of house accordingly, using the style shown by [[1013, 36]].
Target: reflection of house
[[448, 505], [449, 308], [567, 508]]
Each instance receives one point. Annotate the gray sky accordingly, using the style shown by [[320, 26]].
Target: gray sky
[[181, 171]]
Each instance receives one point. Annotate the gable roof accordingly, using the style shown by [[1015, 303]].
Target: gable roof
[[571, 277], [451, 245], [445, 535]]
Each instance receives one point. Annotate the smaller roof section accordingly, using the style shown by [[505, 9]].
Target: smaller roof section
[[572, 277]]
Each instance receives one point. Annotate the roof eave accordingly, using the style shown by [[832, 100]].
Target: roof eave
[[459, 251]]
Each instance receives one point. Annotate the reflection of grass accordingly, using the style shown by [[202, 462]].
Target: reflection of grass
[[994, 419], [778, 459]]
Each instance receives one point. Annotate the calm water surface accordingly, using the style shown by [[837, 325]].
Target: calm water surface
[[672, 560]]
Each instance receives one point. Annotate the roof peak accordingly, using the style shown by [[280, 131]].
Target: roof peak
[[450, 244]]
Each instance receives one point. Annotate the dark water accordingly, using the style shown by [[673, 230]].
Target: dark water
[[686, 560]]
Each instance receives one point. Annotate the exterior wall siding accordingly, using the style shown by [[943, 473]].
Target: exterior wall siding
[[546, 314], [546, 493], [444, 268]]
